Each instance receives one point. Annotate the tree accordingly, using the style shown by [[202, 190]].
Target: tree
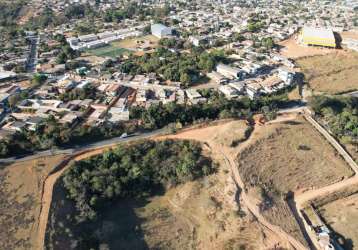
[[39, 79], [13, 99]]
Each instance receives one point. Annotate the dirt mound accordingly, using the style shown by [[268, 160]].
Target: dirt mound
[[232, 133]]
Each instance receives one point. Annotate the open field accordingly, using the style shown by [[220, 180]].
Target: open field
[[291, 49], [288, 156], [132, 43], [349, 34], [338, 209], [291, 156], [198, 215], [204, 214], [340, 215], [20, 197], [108, 51], [333, 73]]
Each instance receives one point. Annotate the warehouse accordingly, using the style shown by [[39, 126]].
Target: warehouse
[[317, 37], [160, 30]]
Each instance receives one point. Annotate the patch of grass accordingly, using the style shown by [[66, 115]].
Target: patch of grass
[[332, 73], [20, 200], [108, 51]]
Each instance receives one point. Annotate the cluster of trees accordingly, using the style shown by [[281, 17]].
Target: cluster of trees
[[339, 114], [172, 43], [51, 134], [66, 53], [10, 11], [133, 9], [160, 115], [137, 170], [88, 92], [183, 67]]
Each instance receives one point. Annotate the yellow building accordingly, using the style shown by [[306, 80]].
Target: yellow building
[[318, 37]]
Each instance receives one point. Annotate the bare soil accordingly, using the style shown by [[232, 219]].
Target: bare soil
[[131, 43], [333, 73], [20, 199], [340, 215], [204, 214], [291, 49], [288, 156]]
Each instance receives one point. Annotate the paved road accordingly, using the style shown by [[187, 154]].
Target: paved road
[[32, 60], [296, 107], [87, 146]]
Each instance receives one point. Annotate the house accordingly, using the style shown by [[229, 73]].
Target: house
[[228, 71], [228, 91], [238, 85], [16, 126], [70, 118], [286, 75], [113, 89], [116, 114], [33, 122], [253, 91], [194, 96], [6, 76], [88, 38], [160, 30], [217, 77]]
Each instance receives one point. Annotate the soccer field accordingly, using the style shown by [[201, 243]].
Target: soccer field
[[108, 51]]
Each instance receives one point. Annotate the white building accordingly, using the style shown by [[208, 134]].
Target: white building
[[160, 30], [228, 71]]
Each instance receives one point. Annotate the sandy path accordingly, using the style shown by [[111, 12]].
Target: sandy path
[[313, 194], [45, 206], [49, 183], [206, 135]]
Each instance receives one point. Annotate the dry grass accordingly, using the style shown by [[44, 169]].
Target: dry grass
[[341, 216], [232, 133], [333, 73], [20, 196], [203, 214], [288, 156], [131, 43]]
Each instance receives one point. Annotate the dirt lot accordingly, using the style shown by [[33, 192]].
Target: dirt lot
[[131, 43], [20, 196], [288, 156], [291, 49], [349, 34], [339, 215], [203, 214], [290, 149], [333, 73]]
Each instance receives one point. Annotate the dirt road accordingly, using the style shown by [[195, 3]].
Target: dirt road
[[229, 154], [46, 198]]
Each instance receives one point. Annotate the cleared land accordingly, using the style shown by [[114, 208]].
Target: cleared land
[[283, 157], [203, 214], [108, 51], [339, 210], [132, 43], [339, 215], [291, 49], [333, 73], [124, 46], [20, 199]]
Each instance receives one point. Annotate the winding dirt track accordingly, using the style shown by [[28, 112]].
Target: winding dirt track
[[229, 155]]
